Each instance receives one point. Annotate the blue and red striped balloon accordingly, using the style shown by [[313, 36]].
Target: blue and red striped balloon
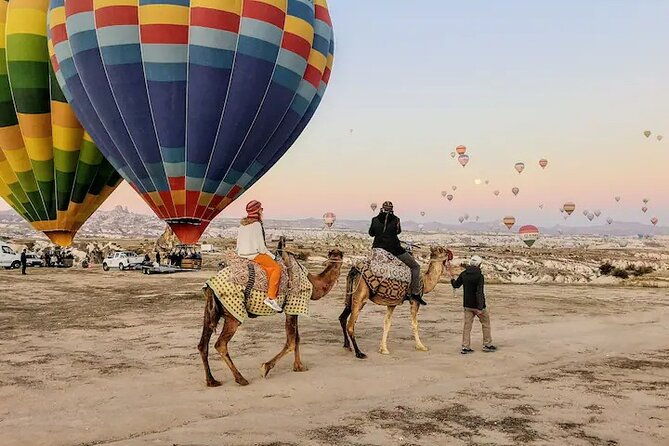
[[192, 101]]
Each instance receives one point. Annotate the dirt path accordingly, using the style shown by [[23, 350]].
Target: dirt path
[[95, 358]]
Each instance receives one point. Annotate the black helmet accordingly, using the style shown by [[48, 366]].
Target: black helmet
[[387, 206]]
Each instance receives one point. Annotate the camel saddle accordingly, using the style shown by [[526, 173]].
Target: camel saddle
[[252, 276], [387, 277]]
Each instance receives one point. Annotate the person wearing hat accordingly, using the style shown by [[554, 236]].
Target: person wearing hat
[[385, 229], [251, 245], [471, 279]]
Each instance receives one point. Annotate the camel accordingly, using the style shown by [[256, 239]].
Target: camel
[[214, 311], [358, 293]]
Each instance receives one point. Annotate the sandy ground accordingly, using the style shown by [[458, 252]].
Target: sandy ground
[[88, 357]]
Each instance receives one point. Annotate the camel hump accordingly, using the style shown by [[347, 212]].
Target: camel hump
[[386, 276]]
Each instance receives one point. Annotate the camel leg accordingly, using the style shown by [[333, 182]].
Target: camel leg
[[211, 317], [289, 346], [357, 304], [297, 363], [415, 306], [230, 327], [387, 321], [342, 320]]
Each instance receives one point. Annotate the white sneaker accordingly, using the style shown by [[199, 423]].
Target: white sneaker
[[273, 305]]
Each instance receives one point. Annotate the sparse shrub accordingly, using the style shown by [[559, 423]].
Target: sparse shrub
[[620, 273], [640, 270], [606, 268]]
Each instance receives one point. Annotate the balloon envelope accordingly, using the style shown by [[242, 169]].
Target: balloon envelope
[[647, 133], [449, 197], [461, 150], [461, 219], [509, 221], [590, 216], [609, 220], [528, 234], [644, 209], [444, 193], [598, 213], [51, 171], [515, 191], [373, 206], [659, 137], [329, 219], [422, 213], [454, 188], [453, 154], [543, 163], [496, 192], [519, 167], [654, 220], [463, 160], [569, 207], [617, 198], [192, 102]]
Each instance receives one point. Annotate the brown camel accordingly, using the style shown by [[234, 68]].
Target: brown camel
[[214, 310], [358, 293]]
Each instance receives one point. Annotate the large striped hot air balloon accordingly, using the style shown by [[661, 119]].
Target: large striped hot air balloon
[[569, 207], [509, 221], [192, 100], [51, 172], [529, 234], [461, 150]]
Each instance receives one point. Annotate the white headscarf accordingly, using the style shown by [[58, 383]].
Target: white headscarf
[[475, 261]]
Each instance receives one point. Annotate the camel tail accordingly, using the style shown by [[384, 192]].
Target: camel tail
[[351, 279], [213, 309]]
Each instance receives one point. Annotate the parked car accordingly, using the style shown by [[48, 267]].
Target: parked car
[[8, 257], [122, 260], [33, 259]]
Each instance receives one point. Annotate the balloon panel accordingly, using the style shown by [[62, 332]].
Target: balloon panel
[[223, 88]]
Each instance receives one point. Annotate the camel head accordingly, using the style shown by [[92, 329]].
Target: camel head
[[335, 256], [324, 281], [440, 254]]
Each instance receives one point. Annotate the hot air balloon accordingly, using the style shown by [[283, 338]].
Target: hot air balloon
[[463, 160], [449, 197], [541, 206], [477, 218], [453, 154], [598, 212], [519, 167], [585, 212], [329, 219], [644, 209], [373, 206], [590, 216], [659, 137], [617, 198], [647, 133], [528, 234], [654, 221], [645, 201], [609, 220], [51, 171], [461, 150], [515, 191], [477, 181], [509, 222], [569, 207], [561, 210], [192, 102], [564, 217], [543, 162], [487, 181], [421, 226], [461, 219], [444, 193], [422, 213], [496, 192], [466, 216], [454, 188]]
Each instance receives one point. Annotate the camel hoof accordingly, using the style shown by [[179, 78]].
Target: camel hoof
[[361, 355], [422, 348], [214, 383], [384, 351], [300, 368], [264, 370], [242, 381]]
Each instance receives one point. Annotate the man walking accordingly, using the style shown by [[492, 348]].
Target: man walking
[[24, 261], [474, 304]]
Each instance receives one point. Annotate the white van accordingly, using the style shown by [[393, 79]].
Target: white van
[[9, 258]]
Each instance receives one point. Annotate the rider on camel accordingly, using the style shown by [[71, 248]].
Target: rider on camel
[[251, 246], [385, 228]]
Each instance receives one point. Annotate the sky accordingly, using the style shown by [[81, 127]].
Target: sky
[[571, 81]]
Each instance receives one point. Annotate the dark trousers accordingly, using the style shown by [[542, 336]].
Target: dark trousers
[[409, 261], [23, 268]]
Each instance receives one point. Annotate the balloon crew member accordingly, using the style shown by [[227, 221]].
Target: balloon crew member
[[471, 279], [251, 245], [24, 261], [385, 229]]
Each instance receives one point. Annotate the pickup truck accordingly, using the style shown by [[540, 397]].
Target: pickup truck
[[8, 258], [122, 260]]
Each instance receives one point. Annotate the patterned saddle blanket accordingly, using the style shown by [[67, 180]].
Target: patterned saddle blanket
[[386, 276], [294, 297], [239, 269]]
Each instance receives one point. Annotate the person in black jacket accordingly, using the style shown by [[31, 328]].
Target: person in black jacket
[[24, 262], [385, 229], [474, 303]]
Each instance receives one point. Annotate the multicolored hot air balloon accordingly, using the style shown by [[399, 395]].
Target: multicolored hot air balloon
[[329, 218], [461, 150], [509, 221], [569, 207], [449, 197], [463, 160], [192, 101], [519, 167], [51, 171], [515, 191], [528, 234], [543, 162], [654, 221], [373, 206]]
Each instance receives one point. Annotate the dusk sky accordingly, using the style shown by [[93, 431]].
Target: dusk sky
[[573, 81]]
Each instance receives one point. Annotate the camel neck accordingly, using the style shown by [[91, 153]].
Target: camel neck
[[324, 281], [431, 276]]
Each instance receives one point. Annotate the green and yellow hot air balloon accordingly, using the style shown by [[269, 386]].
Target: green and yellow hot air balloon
[[51, 171]]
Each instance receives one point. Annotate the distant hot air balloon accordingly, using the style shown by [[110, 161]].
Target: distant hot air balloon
[[463, 160], [519, 167], [422, 213], [617, 198], [543, 162], [509, 221], [51, 171], [461, 219], [477, 181], [609, 220], [466, 216], [515, 190], [645, 201], [644, 209], [541, 206], [373, 206], [487, 181], [421, 226], [461, 150], [659, 137], [329, 219], [496, 192], [585, 212], [192, 101], [569, 207], [564, 217], [647, 133], [477, 218], [453, 154], [454, 188], [598, 212], [444, 193], [528, 234], [449, 197], [590, 216], [654, 221], [561, 210]]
